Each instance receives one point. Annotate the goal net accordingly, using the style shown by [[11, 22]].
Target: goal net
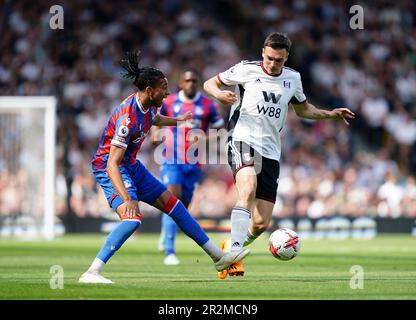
[[27, 167]]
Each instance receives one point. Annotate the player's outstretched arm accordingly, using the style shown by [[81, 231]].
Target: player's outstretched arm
[[309, 111], [171, 121], [213, 88]]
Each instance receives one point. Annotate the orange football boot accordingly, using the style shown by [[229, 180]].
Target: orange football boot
[[236, 269]]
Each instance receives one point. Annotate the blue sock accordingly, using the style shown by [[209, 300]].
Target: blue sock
[[188, 224], [116, 239], [169, 232]]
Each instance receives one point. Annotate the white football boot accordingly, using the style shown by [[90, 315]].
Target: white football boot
[[94, 277], [171, 260], [231, 257]]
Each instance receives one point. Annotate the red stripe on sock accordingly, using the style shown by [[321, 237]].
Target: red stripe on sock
[[170, 204]]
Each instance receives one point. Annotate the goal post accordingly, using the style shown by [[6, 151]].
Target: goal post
[[27, 166]]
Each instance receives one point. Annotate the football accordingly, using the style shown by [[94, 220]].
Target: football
[[284, 244]]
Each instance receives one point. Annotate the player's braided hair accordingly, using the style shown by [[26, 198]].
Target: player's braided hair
[[142, 77]]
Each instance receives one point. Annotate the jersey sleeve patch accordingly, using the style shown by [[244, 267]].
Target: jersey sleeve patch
[[123, 131]]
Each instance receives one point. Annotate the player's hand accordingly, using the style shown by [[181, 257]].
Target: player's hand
[[186, 116], [129, 208], [344, 114], [226, 97]]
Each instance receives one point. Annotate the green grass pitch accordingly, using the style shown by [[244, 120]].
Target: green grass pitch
[[321, 271]]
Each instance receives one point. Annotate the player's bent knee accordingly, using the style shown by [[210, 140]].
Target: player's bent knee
[[261, 224], [260, 228]]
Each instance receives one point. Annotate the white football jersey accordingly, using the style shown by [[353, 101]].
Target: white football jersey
[[261, 109]]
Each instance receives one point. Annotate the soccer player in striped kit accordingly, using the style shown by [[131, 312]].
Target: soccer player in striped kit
[[126, 181]]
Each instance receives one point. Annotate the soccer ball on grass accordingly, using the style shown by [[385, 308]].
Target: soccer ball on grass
[[284, 244]]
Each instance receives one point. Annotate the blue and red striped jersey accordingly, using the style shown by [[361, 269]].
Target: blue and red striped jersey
[[127, 128]]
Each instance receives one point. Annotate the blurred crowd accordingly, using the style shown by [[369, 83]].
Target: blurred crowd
[[327, 168]]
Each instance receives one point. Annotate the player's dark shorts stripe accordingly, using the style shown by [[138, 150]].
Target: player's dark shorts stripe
[[235, 154]]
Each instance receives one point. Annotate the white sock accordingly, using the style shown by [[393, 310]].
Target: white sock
[[212, 250], [240, 220], [96, 266]]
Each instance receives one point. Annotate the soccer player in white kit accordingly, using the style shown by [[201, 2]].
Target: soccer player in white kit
[[263, 92]]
